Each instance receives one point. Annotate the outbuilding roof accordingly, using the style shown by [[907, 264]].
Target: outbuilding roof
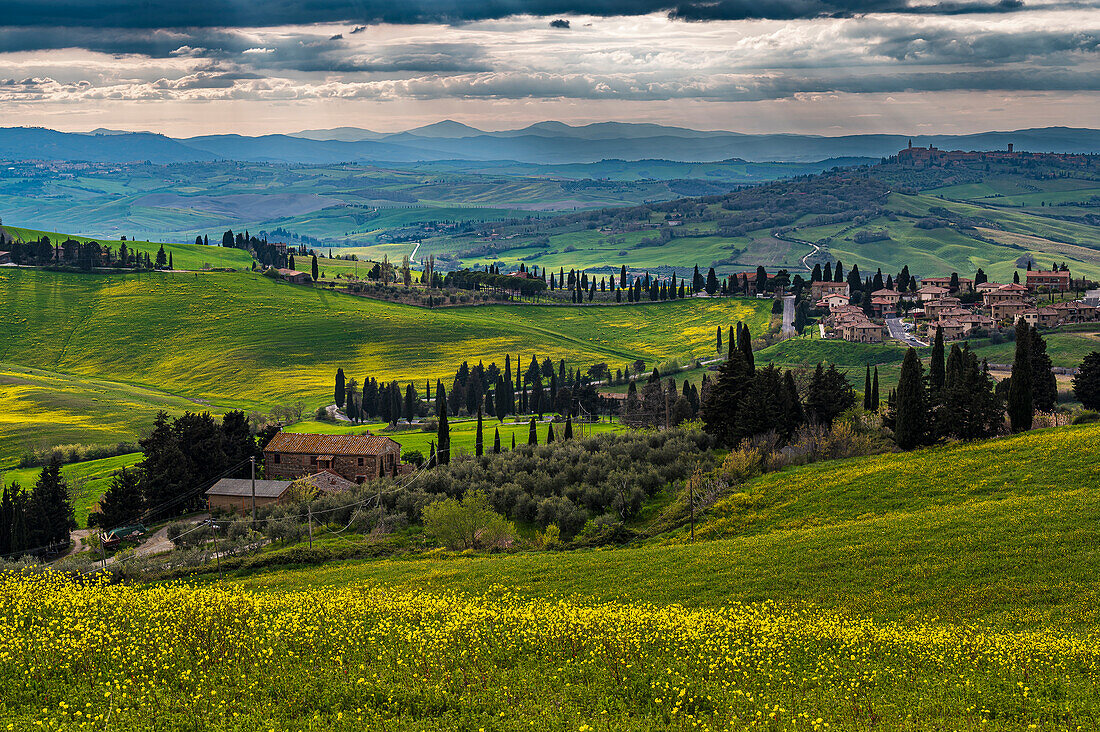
[[243, 487], [292, 442]]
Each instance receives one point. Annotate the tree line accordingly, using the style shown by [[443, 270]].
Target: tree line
[[36, 521]]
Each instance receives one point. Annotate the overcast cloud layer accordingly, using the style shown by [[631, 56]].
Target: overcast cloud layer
[[856, 65]]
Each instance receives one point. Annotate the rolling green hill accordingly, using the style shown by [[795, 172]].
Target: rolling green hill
[[96, 355], [184, 256]]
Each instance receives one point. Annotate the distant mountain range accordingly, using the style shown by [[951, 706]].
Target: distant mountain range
[[542, 143]]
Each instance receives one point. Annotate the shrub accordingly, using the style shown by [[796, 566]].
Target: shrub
[[467, 523]]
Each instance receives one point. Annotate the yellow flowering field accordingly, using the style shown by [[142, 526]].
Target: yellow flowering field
[[217, 657]]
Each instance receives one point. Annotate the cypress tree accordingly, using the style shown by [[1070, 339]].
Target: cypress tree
[[1021, 407], [719, 340], [911, 418], [1086, 384], [937, 369], [568, 428], [340, 389], [496, 439], [550, 433], [532, 436], [744, 343], [867, 389], [443, 434], [313, 268], [479, 446], [1044, 385], [513, 441], [874, 392]]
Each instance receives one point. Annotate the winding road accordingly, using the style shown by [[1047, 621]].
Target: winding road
[[899, 332]]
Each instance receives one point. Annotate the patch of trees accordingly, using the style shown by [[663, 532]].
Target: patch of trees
[[744, 401], [469, 279], [956, 399], [1086, 384], [867, 236], [182, 458], [567, 482], [36, 522], [85, 255]]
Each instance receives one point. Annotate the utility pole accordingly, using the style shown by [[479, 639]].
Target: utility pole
[[217, 557], [253, 461], [309, 512], [691, 501], [103, 549]]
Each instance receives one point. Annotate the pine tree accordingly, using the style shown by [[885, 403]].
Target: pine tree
[[122, 503], [479, 445], [339, 391], [532, 435], [1021, 407], [911, 415], [936, 369], [723, 399], [51, 509]]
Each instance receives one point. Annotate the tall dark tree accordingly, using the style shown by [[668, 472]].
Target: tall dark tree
[[1044, 385], [496, 440], [829, 395], [51, 509], [719, 340], [744, 344], [967, 407], [313, 268], [1086, 384], [874, 392], [410, 402], [568, 428], [479, 440], [712, 282], [936, 369], [911, 405], [443, 436], [341, 389], [1021, 405], [532, 435], [550, 433], [122, 503], [867, 389], [722, 401]]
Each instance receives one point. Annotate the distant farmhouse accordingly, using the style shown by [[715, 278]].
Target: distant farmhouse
[[357, 458]]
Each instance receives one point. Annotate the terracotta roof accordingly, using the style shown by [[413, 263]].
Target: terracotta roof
[[885, 291], [1012, 288], [289, 272], [826, 283], [292, 442], [932, 288], [1047, 311], [329, 481]]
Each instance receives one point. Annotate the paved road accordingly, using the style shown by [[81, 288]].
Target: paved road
[[898, 332], [788, 330]]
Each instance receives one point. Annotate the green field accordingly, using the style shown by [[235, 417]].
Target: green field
[[947, 588], [93, 357], [463, 433], [88, 480]]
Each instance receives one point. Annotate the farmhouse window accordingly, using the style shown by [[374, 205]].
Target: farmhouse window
[[360, 462], [312, 459], [276, 456]]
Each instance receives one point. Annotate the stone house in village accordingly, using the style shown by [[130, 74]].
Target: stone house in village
[[1055, 280], [357, 458], [818, 290]]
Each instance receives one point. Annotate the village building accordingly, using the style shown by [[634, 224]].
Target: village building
[[884, 307], [1047, 317], [235, 494], [329, 481], [928, 293], [953, 329], [965, 283], [832, 301], [988, 287], [1007, 310], [864, 332], [5, 257], [1074, 312], [1055, 280], [293, 275], [357, 458], [1004, 293], [934, 308], [818, 290]]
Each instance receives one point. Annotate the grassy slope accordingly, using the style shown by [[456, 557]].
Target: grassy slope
[[957, 533], [87, 480], [241, 340], [184, 256], [40, 409], [463, 433]]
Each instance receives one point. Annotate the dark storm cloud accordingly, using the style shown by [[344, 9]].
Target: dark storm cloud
[[231, 13], [946, 46]]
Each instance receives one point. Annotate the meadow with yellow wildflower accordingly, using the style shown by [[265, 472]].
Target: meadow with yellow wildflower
[[90, 655]]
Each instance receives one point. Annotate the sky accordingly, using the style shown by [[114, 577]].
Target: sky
[[808, 66]]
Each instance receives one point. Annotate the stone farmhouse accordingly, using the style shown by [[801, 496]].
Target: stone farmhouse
[[818, 290], [1056, 281], [357, 458], [294, 276]]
